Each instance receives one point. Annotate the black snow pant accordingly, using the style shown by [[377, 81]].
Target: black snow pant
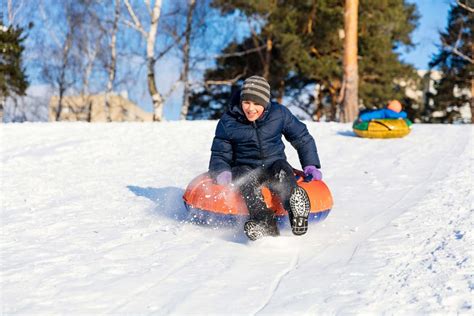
[[278, 177]]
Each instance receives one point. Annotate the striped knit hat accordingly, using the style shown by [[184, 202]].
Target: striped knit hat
[[256, 89]]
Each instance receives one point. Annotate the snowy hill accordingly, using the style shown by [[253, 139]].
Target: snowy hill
[[93, 223]]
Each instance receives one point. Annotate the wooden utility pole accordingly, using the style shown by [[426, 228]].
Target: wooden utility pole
[[350, 106]]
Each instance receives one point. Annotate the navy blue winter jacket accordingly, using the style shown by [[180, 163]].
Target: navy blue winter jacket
[[259, 144]]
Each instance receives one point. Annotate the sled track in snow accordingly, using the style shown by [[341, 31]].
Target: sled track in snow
[[277, 281], [414, 190], [182, 264], [398, 232]]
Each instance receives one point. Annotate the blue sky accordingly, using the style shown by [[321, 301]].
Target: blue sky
[[433, 18]]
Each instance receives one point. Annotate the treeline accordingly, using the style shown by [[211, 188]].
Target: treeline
[[105, 47]]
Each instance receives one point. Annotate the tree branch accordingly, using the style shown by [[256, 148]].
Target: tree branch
[[255, 40], [242, 53], [228, 82], [50, 31], [236, 54], [136, 22], [133, 26], [465, 6], [12, 12], [455, 50], [171, 90], [164, 51], [147, 4]]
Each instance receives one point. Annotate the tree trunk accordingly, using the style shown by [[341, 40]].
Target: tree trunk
[[62, 76], [90, 107], [333, 117], [150, 52], [186, 49], [281, 92], [472, 101], [155, 95], [2, 106], [60, 104], [62, 89], [150, 38], [350, 106], [87, 71], [318, 106], [113, 61], [268, 59]]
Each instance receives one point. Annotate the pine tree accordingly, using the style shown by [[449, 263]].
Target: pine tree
[[13, 80], [385, 26], [455, 61], [292, 33], [299, 44]]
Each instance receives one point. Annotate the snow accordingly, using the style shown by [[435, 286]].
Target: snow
[[93, 223]]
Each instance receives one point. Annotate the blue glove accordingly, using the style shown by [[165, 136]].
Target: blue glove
[[313, 172], [224, 178]]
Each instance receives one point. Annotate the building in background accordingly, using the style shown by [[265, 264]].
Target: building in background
[[91, 108], [454, 111]]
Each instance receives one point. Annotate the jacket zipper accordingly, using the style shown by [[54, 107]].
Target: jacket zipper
[[259, 142]]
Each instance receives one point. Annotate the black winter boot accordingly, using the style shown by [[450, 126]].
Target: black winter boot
[[257, 229], [299, 211]]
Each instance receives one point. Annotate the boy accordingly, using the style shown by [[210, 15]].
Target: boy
[[248, 151], [392, 111]]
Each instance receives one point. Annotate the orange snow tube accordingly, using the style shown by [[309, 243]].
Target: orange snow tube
[[210, 203]]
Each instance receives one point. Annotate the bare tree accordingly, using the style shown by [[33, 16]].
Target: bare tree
[[61, 79], [93, 46], [61, 64], [90, 48], [186, 57], [150, 38], [112, 69], [98, 48], [91, 51], [113, 47], [17, 11], [350, 84]]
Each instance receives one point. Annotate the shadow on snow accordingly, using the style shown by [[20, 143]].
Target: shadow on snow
[[347, 133], [169, 202]]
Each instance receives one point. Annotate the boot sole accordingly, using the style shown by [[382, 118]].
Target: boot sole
[[300, 208], [255, 231]]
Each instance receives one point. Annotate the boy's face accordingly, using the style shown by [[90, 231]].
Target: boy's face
[[252, 110]]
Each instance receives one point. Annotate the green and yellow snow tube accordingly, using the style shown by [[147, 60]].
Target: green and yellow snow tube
[[382, 128]]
